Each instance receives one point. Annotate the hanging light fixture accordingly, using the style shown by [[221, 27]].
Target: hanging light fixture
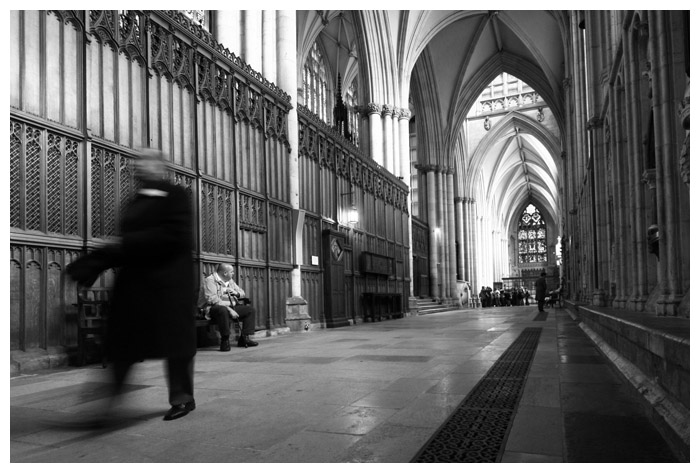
[[353, 214]]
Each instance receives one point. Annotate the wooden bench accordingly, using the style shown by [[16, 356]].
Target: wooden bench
[[208, 326], [93, 312], [376, 305]]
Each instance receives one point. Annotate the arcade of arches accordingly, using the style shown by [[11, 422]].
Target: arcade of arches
[[331, 155]]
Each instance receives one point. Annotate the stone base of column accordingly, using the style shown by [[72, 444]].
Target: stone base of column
[[599, 298], [637, 303], [412, 307], [298, 318], [619, 303], [38, 359], [669, 306], [450, 302]]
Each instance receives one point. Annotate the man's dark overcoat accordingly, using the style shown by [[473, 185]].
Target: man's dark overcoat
[[151, 307], [540, 288]]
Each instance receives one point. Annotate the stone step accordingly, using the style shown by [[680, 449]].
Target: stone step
[[434, 310]]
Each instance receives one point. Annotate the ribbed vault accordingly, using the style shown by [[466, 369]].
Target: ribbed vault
[[516, 164]]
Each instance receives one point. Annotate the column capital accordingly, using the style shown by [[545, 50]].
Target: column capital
[[404, 113], [373, 108], [563, 155], [422, 167], [449, 170], [387, 110], [460, 200]]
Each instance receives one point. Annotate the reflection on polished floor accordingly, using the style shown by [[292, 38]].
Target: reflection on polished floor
[[389, 391]]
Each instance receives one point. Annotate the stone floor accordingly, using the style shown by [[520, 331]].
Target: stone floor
[[374, 392]]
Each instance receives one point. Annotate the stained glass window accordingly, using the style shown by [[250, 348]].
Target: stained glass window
[[532, 237], [316, 91]]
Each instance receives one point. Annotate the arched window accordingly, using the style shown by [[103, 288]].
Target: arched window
[[316, 91], [351, 103], [200, 17], [532, 237]]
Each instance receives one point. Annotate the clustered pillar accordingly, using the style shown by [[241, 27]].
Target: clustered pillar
[[628, 182]]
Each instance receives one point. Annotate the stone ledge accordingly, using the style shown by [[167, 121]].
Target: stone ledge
[[653, 354], [670, 416], [658, 346]]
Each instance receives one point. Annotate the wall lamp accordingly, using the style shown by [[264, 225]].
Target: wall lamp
[[353, 214]]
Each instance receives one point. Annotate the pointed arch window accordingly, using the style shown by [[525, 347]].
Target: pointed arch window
[[532, 237], [316, 90], [199, 17]]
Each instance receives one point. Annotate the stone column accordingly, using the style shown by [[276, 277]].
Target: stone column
[[404, 115], [459, 212], [451, 262], [440, 196], [637, 212], [375, 133], [269, 44], [600, 261], [665, 126], [297, 316], [388, 132], [469, 242], [619, 275], [405, 159], [432, 225], [481, 248], [228, 29], [630, 245], [252, 43], [398, 158]]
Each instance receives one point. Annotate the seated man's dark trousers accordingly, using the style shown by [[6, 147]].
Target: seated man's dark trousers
[[219, 314]]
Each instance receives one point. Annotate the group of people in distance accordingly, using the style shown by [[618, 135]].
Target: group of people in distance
[[520, 296], [503, 298]]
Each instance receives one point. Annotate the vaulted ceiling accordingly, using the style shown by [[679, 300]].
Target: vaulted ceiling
[[445, 59]]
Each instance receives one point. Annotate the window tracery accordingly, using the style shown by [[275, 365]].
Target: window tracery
[[200, 17], [532, 237], [316, 90]]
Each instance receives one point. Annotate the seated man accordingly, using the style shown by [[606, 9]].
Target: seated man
[[219, 297]]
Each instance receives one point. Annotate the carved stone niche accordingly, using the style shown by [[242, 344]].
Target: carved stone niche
[[684, 113]]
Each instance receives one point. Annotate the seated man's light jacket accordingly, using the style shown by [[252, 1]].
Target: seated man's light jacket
[[212, 292]]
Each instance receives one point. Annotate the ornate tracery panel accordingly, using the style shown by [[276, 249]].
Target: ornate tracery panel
[[532, 237]]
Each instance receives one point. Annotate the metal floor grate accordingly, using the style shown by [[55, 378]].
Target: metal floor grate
[[477, 430]]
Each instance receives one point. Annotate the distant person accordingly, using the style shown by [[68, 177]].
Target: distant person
[[151, 306], [541, 291], [220, 308]]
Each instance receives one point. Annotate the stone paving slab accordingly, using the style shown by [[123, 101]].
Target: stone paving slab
[[367, 393]]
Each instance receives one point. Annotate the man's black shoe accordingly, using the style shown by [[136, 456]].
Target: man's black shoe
[[244, 341], [179, 410], [225, 345]]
